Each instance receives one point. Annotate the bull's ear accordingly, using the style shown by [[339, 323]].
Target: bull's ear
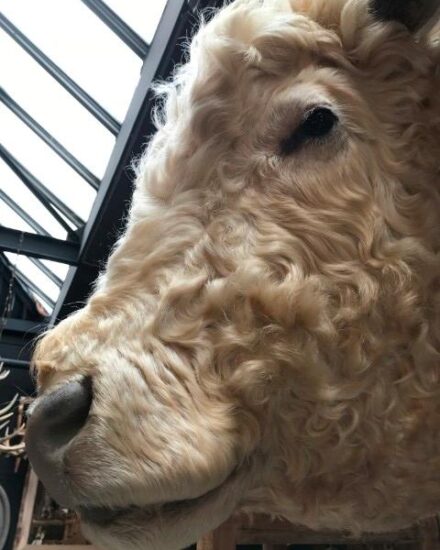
[[414, 14]]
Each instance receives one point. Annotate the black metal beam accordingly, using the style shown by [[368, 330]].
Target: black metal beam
[[15, 363], [38, 246], [38, 263], [32, 223], [55, 145], [105, 118], [23, 326], [118, 26], [48, 199], [106, 220]]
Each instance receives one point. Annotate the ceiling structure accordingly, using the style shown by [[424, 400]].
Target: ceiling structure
[[48, 182], [52, 243]]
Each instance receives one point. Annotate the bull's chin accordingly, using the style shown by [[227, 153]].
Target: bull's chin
[[171, 526]]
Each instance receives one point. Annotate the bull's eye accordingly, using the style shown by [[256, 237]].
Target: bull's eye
[[317, 124]]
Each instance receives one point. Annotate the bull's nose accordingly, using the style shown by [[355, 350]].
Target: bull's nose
[[52, 425]]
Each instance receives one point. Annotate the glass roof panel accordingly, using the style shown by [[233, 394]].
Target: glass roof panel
[[10, 219], [45, 164], [82, 46], [17, 191], [60, 270], [53, 107], [141, 15], [37, 277]]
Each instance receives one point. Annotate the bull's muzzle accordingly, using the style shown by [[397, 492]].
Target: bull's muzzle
[[55, 420]]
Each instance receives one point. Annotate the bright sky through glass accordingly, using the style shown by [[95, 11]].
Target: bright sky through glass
[[90, 53]]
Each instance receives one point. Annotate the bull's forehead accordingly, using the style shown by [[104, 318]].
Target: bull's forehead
[[240, 66], [252, 42]]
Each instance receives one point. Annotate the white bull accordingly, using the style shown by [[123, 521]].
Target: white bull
[[266, 334]]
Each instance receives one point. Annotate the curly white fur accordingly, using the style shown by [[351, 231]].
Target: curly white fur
[[272, 315]]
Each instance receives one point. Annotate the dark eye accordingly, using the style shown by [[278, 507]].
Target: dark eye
[[318, 123]]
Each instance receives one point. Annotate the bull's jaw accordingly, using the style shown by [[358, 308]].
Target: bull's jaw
[[174, 526]]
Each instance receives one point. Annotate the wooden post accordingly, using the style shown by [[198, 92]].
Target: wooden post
[[26, 510], [222, 538]]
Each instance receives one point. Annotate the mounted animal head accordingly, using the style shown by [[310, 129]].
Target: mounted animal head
[[266, 333]]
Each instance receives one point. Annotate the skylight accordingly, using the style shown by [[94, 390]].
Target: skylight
[[68, 71]]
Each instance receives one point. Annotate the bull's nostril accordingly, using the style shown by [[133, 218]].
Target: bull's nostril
[[61, 415], [66, 410], [53, 423]]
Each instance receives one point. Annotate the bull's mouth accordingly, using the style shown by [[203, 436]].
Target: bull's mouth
[[102, 515], [166, 526]]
